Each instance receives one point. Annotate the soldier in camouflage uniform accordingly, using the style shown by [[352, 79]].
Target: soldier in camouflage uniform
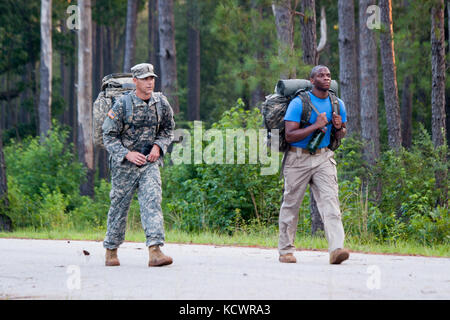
[[125, 138]]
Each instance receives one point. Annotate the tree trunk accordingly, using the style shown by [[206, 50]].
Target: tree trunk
[[62, 71], [438, 73], [348, 71], [24, 113], [108, 61], [167, 53], [368, 86], [45, 96], [257, 94], [438, 91], [316, 220], [72, 100], [84, 96], [406, 112], [368, 78], [153, 40], [407, 96], [193, 61], [389, 76], [35, 82], [285, 35], [130, 35], [97, 52], [308, 26]]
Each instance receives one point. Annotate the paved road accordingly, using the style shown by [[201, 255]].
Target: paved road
[[57, 269]]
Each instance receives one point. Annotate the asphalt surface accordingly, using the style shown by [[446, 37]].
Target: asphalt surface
[[61, 269]]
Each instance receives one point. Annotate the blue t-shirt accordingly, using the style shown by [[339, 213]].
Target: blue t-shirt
[[294, 113]]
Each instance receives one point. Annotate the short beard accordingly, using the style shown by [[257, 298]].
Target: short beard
[[321, 89]]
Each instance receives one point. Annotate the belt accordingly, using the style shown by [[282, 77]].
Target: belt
[[318, 151]]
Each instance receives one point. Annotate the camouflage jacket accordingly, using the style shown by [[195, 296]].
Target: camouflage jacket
[[120, 137]]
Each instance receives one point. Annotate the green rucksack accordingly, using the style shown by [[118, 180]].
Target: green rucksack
[[274, 108]]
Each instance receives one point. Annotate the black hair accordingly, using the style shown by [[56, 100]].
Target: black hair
[[316, 69]]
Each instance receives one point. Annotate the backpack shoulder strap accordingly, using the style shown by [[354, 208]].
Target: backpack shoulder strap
[[127, 110], [307, 107], [334, 102], [158, 108]]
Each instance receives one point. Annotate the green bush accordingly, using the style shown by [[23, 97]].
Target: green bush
[[407, 206], [50, 163], [409, 192], [52, 211], [90, 212], [43, 179]]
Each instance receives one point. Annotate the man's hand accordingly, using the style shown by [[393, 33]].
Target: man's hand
[[321, 120], [337, 121], [154, 154], [136, 158]]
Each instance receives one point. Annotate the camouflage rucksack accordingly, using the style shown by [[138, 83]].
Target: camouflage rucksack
[[114, 86], [118, 86], [274, 108]]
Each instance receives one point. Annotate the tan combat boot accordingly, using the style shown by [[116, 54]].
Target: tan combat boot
[[157, 258], [287, 258], [111, 258], [339, 255]]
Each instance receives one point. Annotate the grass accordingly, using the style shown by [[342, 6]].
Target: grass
[[267, 238]]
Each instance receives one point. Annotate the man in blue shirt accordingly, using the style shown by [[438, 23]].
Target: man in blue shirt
[[318, 170]]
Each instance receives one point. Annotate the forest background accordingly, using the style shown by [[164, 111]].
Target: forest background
[[216, 61]]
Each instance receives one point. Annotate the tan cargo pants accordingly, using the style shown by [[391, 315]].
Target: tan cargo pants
[[319, 170]]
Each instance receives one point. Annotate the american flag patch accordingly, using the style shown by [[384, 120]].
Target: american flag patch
[[111, 114]]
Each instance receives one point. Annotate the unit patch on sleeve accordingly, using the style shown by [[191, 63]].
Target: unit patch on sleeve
[[111, 114]]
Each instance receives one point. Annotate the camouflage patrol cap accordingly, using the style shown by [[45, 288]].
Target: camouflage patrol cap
[[143, 70]]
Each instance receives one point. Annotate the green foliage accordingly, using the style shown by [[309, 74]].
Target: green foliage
[[51, 164], [91, 213], [43, 179], [52, 211], [409, 189]]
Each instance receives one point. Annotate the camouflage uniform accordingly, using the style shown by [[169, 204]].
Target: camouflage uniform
[[119, 138]]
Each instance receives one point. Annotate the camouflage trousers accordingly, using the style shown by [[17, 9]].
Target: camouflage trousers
[[126, 178]]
